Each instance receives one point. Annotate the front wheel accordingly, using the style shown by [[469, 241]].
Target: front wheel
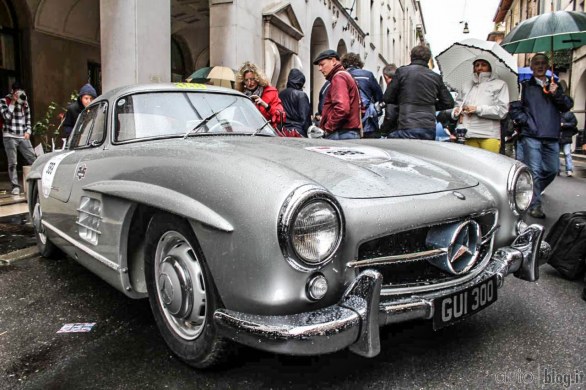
[[181, 292], [45, 246]]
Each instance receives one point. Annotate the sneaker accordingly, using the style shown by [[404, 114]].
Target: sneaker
[[537, 212], [569, 174], [15, 191]]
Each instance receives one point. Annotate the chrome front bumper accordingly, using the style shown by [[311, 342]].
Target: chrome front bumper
[[354, 322]]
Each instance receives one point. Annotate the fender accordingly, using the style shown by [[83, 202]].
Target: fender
[[161, 198]]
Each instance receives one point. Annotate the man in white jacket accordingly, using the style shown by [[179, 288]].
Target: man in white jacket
[[483, 102]]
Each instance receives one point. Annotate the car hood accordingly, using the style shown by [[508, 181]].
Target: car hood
[[346, 169]]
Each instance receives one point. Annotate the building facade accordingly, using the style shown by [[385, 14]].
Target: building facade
[[55, 46]]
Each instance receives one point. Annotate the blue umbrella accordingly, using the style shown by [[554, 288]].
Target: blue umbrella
[[526, 73]]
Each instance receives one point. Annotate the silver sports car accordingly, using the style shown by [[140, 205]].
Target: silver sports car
[[183, 194]]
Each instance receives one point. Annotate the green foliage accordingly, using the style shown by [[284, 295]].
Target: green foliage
[[49, 126]]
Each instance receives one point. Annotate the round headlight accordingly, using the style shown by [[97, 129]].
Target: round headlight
[[315, 232], [523, 190]]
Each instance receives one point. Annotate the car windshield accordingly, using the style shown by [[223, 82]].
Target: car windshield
[[178, 114]]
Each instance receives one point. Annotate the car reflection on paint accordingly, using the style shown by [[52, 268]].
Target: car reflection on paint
[[182, 194]]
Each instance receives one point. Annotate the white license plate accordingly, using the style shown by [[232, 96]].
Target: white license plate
[[454, 307]]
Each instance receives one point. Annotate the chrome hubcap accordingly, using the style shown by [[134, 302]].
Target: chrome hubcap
[[38, 223], [180, 285]]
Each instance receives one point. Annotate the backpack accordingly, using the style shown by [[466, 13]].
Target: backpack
[[568, 245]]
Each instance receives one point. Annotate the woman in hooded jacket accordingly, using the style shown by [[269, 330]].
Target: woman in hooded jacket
[[296, 103], [253, 83], [86, 95], [484, 103]]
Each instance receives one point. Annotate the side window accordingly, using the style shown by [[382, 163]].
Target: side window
[[99, 130], [91, 126]]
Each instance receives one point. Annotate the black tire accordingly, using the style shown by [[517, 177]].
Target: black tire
[[44, 244], [174, 263]]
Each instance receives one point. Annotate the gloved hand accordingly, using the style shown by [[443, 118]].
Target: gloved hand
[[379, 107]]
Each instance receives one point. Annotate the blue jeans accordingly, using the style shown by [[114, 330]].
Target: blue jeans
[[344, 134], [428, 134], [567, 148], [543, 159], [11, 145]]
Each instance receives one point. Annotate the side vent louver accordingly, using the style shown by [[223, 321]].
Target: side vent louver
[[89, 219]]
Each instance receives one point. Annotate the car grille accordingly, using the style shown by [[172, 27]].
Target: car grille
[[410, 265]]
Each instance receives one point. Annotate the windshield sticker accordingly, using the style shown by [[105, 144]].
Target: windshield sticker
[[356, 153], [191, 85], [49, 172]]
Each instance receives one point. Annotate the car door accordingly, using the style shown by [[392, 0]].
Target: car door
[[66, 170]]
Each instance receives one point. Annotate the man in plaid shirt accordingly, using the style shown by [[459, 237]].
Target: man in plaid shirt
[[16, 131]]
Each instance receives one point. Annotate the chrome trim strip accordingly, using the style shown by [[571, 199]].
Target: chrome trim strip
[[389, 291], [488, 236], [87, 212], [108, 263], [88, 228], [396, 258]]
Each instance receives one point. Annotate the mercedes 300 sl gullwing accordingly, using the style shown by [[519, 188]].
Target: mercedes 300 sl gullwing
[[183, 194]]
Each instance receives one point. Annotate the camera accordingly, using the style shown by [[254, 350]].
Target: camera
[[21, 96], [461, 135]]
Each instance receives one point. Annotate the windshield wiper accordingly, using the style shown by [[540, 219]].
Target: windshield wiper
[[206, 120], [257, 131]]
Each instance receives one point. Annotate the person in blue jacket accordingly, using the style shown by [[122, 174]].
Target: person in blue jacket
[[370, 93], [538, 114]]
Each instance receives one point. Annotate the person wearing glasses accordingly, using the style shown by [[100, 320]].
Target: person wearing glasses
[[253, 83], [538, 115]]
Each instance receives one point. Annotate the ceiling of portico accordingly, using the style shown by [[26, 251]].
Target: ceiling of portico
[[79, 20]]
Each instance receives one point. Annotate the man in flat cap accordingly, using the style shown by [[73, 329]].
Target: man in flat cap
[[340, 116]]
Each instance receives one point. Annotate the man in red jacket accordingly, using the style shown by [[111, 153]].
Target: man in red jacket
[[341, 109]]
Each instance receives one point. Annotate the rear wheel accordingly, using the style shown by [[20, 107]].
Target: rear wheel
[[45, 246], [181, 292]]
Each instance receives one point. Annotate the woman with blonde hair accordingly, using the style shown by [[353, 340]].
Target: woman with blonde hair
[[253, 83]]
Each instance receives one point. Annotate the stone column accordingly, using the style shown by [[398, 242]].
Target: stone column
[[135, 42], [228, 43]]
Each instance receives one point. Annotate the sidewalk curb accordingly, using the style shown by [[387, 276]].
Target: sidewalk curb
[[20, 254]]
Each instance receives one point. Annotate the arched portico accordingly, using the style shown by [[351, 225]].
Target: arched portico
[[319, 43]]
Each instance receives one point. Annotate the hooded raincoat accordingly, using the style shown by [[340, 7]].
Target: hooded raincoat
[[490, 95], [296, 103]]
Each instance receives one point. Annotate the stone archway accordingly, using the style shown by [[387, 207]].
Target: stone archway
[[342, 48], [319, 43]]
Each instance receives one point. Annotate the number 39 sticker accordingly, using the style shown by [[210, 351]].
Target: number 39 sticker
[[49, 173]]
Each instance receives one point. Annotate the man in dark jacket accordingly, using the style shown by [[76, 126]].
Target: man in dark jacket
[[86, 95], [391, 110], [538, 116], [419, 92], [370, 93], [341, 110], [296, 103]]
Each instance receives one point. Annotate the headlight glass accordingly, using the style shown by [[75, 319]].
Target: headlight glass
[[315, 232], [523, 190]]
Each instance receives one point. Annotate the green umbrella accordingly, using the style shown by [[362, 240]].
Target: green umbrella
[[547, 33]]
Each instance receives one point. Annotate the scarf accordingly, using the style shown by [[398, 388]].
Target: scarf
[[258, 91]]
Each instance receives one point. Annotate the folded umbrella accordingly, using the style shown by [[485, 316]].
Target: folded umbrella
[[455, 64]]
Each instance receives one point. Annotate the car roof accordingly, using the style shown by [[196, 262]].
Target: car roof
[[165, 87]]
